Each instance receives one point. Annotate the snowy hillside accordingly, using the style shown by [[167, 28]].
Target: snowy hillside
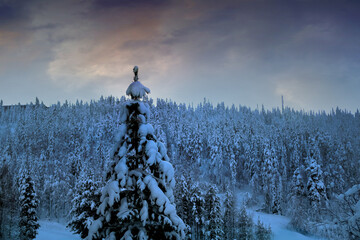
[[302, 162]]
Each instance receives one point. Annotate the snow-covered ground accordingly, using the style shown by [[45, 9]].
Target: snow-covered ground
[[55, 231], [279, 224]]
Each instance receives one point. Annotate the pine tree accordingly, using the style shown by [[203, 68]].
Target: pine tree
[[85, 204], [216, 157], [137, 201], [253, 165], [28, 202], [261, 232], [198, 212], [233, 169], [245, 225], [9, 198], [295, 155], [228, 222], [297, 184], [315, 185], [183, 201], [214, 217], [350, 204], [272, 180], [299, 210]]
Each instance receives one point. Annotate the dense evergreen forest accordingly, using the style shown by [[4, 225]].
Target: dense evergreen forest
[[304, 165]]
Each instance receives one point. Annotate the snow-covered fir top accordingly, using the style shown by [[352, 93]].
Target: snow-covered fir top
[[136, 90], [140, 182]]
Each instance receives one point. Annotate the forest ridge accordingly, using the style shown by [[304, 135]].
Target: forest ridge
[[286, 156]]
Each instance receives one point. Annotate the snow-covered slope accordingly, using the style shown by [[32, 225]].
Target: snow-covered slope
[[279, 224], [54, 231]]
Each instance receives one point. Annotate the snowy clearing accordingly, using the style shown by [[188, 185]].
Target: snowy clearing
[[55, 231], [279, 224]]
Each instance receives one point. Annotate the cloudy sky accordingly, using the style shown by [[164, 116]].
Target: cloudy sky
[[244, 52]]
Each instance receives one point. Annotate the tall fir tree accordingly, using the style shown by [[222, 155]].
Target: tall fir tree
[[229, 221], [198, 212], [137, 201], [28, 224], [9, 198], [261, 232], [315, 185], [298, 200], [183, 202], [297, 183], [214, 217], [245, 225], [272, 180], [85, 203], [350, 203]]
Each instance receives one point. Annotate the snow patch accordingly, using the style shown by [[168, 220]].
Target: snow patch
[[145, 129], [144, 212], [137, 90], [279, 224], [54, 231], [151, 152]]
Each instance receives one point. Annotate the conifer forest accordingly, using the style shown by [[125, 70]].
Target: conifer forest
[[188, 164], [243, 122]]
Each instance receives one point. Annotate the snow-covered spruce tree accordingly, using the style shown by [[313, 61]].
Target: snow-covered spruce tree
[[297, 183], [28, 224], [261, 232], [233, 168], [9, 198], [253, 164], [214, 217], [315, 185], [299, 211], [272, 180], [228, 222], [198, 212], [245, 225], [85, 203], [349, 203], [183, 202], [137, 200]]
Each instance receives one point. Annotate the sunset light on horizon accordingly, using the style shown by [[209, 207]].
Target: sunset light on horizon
[[246, 53]]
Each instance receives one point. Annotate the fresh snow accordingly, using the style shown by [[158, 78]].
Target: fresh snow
[[137, 90], [54, 231], [352, 190], [279, 224]]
